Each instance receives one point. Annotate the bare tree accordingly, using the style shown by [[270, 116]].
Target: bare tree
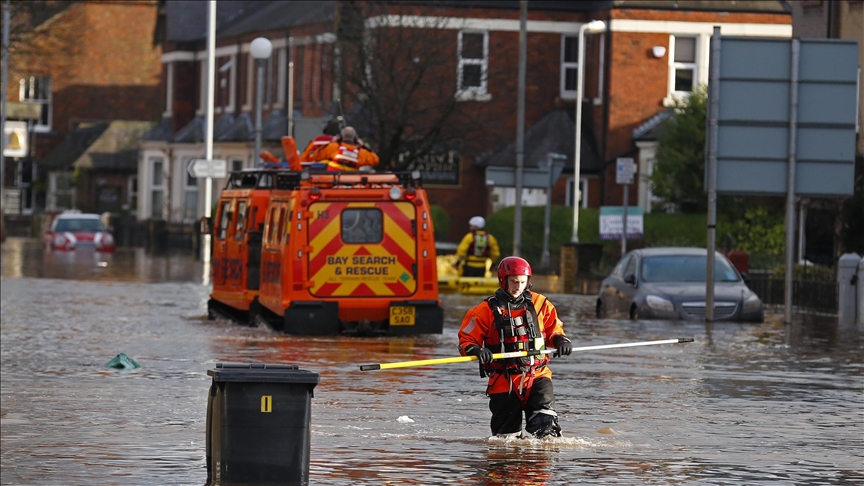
[[398, 77]]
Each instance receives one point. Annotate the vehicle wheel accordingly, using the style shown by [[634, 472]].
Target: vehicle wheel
[[634, 312], [211, 314], [601, 309]]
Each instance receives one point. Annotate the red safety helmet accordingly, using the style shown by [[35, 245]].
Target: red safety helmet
[[512, 265]]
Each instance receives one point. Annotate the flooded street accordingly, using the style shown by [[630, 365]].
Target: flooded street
[[743, 404]]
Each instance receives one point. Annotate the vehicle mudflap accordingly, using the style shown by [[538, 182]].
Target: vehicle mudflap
[[429, 319], [312, 318]]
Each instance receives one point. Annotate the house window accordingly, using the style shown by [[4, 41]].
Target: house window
[[132, 191], [157, 188], [37, 89], [569, 66], [190, 196], [236, 164], [61, 194], [226, 76], [473, 64], [684, 65], [300, 73]]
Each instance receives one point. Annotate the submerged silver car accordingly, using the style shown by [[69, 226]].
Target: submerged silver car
[[669, 283]]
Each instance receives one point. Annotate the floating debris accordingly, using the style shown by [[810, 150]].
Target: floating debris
[[404, 419], [606, 430], [122, 362]]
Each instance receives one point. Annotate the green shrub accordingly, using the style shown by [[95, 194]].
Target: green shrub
[[440, 223], [801, 272], [758, 233]]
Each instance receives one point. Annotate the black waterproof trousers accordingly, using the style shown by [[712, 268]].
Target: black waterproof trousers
[[507, 410]]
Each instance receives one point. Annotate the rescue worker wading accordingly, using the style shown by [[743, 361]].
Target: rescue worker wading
[[516, 319], [476, 247], [346, 154]]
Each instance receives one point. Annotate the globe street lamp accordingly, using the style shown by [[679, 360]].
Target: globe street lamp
[[593, 27], [261, 48]]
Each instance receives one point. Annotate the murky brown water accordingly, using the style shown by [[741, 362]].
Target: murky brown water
[[744, 404]]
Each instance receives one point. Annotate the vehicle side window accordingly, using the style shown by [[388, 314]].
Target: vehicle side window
[[273, 224], [619, 269], [224, 220], [241, 220], [362, 225], [281, 231], [288, 222], [631, 267]]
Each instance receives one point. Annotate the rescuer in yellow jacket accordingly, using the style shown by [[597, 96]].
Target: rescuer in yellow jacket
[[347, 153], [475, 248], [515, 319]]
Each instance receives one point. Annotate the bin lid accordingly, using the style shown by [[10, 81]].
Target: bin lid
[[262, 373]]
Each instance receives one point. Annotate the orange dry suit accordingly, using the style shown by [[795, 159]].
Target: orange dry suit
[[317, 143], [345, 156], [503, 327]]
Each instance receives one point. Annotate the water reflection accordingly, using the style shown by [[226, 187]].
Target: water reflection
[[24, 257], [743, 404]]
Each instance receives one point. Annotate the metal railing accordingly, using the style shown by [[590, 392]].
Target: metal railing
[[807, 295]]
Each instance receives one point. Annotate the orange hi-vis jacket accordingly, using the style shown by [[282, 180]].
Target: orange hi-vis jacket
[[478, 327], [345, 156], [316, 144]]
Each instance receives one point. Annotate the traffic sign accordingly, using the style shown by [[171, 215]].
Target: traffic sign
[[202, 168], [626, 170]]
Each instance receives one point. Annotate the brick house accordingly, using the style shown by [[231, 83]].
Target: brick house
[[86, 64], [651, 52]]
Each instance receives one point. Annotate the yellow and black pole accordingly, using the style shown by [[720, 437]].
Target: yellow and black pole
[[514, 354]]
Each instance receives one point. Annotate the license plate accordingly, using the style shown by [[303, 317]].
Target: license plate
[[402, 315]]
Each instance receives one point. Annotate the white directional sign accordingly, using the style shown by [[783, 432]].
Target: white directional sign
[[626, 169], [202, 168]]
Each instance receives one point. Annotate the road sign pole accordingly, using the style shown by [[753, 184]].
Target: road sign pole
[[790, 179], [624, 220], [711, 172]]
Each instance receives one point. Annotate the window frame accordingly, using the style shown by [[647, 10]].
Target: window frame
[[674, 66], [26, 92], [154, 188], [132, 193], [190, 189], [477, 93], [565, 65]]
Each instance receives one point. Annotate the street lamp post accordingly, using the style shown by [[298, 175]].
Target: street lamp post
[[593, 27], [261, 48]]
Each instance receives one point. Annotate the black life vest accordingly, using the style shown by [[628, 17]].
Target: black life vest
[[521, 333]]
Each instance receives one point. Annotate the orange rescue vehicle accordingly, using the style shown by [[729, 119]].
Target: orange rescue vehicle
[[340, 253]]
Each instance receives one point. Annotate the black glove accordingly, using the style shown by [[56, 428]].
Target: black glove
[[563, 346], [484, 355]]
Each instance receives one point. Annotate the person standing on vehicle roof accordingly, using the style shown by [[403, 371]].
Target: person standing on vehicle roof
[[476, 246], [331, 130], [516, 319], [347, 153]]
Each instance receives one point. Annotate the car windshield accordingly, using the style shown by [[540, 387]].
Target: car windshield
[[90, 225], [685, 268]]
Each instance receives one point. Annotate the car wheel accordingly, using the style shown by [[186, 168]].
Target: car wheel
[[634, 312], [601, 309], [211, 313]]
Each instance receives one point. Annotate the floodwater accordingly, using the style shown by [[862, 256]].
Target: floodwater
[[743, 404]]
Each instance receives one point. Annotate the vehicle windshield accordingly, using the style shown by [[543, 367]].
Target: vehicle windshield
[[685, 268], [89, 225]]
